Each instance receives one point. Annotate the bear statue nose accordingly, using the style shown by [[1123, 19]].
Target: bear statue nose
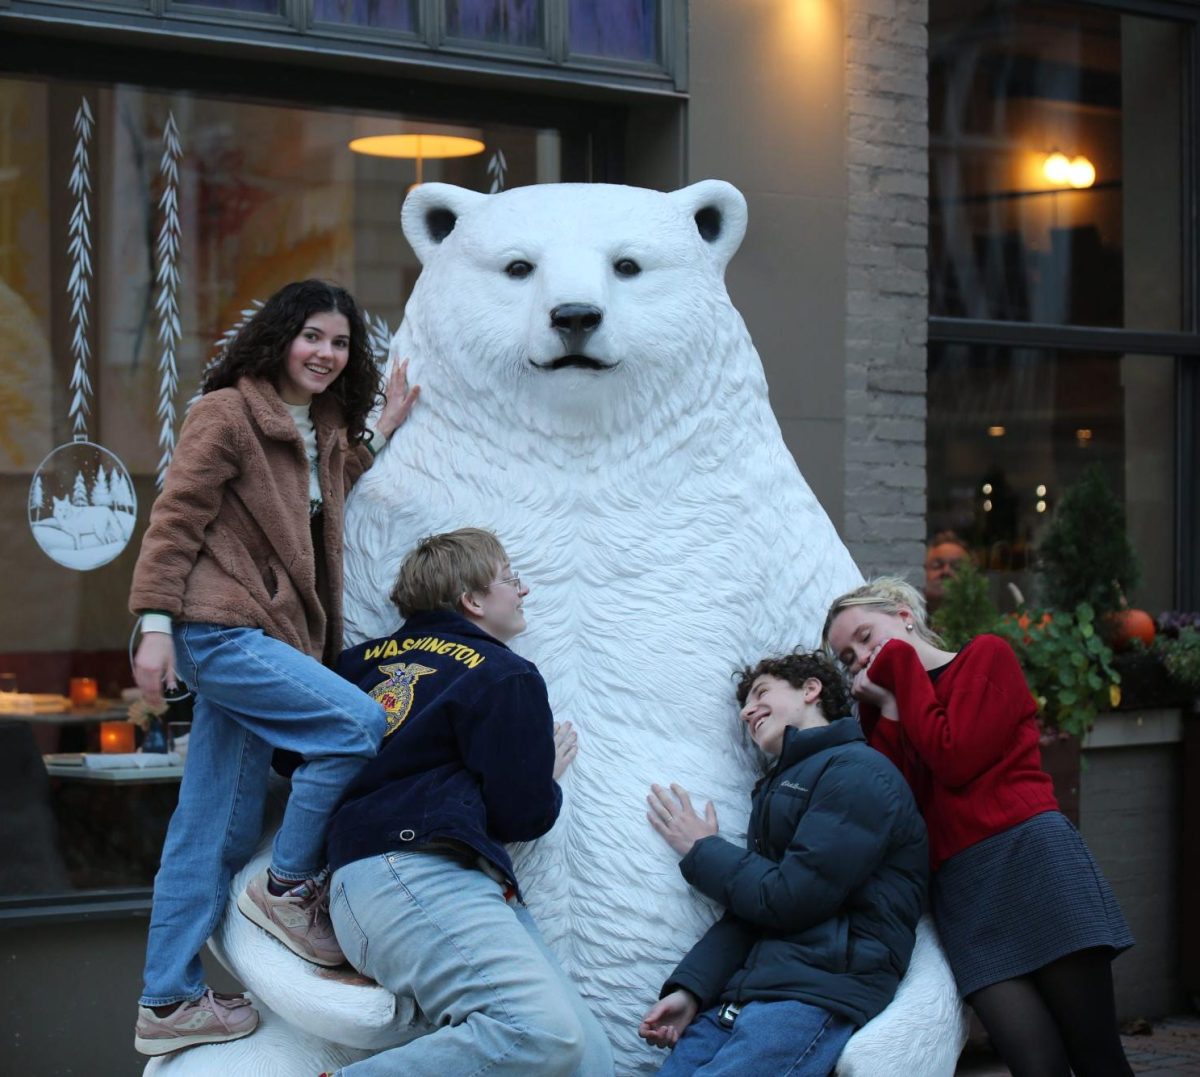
[[575, 318]]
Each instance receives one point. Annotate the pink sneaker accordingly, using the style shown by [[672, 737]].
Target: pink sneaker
[[211, 1018], [299, 919]]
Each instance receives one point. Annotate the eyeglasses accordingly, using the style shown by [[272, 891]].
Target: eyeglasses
[[514, 581], [939, 563]]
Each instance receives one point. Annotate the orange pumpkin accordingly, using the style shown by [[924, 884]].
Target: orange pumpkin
[[1128, 625]]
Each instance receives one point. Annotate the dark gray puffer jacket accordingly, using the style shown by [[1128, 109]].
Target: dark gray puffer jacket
[[823, 905]]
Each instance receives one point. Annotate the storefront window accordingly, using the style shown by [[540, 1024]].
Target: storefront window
[[1010, 428], [1055, 165], [262, 195], [627, 30]]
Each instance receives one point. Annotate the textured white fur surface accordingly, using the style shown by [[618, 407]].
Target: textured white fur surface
[[922, 1032], [662, 525], [333, 1004]]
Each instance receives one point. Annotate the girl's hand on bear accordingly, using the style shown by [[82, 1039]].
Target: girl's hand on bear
[[666, 1020], [676, 820], [398, 401], [566, 748]]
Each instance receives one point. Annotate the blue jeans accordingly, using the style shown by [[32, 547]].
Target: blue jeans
[[432, 926], [253, 694], [767, 1037]]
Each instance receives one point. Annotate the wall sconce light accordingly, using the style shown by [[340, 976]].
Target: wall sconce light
[[417, 147], [1077, 172], [996, 431]]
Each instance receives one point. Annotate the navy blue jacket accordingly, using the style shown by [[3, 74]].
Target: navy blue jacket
[[823, 905], [468, 757]]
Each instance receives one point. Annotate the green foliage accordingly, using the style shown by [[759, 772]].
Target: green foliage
[[1086, 555], [966, 608], [1067, 664], [1181, 657]]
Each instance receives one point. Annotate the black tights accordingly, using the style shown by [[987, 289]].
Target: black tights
[[1059, 1019]]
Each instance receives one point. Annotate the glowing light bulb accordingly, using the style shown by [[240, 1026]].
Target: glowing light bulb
[[1041, 490], [987, 487], [1057, 168], [1081, 172]]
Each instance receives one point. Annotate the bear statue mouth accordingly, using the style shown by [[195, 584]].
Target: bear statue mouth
[[575, 362]]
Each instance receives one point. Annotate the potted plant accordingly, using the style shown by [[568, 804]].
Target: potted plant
[[1067, 664]]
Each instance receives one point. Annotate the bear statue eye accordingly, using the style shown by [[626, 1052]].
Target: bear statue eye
[[519, 269], [626, 267]]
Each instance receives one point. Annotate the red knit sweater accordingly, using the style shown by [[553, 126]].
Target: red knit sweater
[[967, 742]]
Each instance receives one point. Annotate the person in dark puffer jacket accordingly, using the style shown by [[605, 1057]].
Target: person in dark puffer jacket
[[821, 908]]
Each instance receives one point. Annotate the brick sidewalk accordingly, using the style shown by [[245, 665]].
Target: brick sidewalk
[[1171, 1050]]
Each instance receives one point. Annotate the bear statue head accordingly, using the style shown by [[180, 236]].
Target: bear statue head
[[587, 308]]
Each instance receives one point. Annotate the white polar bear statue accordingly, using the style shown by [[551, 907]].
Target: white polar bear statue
[[592, 396]]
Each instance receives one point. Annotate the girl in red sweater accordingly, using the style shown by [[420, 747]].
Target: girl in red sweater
[[1029, 924]]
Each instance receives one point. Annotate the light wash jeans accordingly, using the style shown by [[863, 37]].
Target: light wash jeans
[[431, 926], [253, 694], [781, 1038]]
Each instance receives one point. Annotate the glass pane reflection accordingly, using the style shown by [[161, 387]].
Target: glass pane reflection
[[622, 29], [1010, 428], [263, 7], [508, 22], [1050, 202], [385, 14]]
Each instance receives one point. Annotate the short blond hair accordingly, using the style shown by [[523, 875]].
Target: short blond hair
[[440, 569], [889, 594]]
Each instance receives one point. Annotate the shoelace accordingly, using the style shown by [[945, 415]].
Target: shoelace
[[219, 1005]]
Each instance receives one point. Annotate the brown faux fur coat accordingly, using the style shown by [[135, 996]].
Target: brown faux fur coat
[[229, 540]]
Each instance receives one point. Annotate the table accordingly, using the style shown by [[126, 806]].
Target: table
[[119, 775]]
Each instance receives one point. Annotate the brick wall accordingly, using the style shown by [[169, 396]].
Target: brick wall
[[887, 285]]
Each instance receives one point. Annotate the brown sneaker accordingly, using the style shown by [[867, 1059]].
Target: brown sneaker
[[299, 919], [211, 1018]]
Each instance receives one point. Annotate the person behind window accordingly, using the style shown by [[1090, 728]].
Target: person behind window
[[239, 587], [945, 553], [1029, 925], [821, 907], [425, 899]]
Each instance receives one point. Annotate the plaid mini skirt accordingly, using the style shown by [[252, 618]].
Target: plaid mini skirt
[[1022, 898]]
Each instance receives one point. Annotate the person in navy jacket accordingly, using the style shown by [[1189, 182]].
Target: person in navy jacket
[[821, 907], [424, 897]]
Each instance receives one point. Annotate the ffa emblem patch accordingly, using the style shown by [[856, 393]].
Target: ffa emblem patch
[[395, 694]]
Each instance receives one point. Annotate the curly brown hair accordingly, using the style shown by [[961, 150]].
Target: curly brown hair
[[261, 348], [796, 668]]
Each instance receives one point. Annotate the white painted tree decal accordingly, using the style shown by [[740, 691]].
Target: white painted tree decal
[[496, 168], [166, 304], [79, 250]]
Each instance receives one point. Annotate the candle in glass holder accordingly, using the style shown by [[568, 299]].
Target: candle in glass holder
[[83, 691], [116, 737]]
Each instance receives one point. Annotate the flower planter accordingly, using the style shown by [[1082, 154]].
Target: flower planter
[[1061, 760]]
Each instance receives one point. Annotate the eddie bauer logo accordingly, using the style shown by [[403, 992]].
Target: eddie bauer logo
[[793, 785]]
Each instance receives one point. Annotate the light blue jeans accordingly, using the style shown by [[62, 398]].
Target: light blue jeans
[[253, 694], [432, 926], [781, 1038]]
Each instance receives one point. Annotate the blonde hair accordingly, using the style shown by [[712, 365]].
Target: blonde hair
[[889, 594], [440, 569]]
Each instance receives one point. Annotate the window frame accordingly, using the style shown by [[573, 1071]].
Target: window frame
[[1183, 346]]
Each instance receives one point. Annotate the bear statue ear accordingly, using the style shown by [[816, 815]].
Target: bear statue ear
[[719, 210], [430, 213]]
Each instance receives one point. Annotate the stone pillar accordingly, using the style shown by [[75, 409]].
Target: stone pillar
[[887, 284]]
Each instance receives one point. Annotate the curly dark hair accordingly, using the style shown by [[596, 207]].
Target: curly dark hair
[[796, 668], [261, 347]]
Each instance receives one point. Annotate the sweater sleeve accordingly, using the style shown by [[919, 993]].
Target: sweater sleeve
[[987, 699], [207, 456], [506, 737], [841, 838], [711, 963]]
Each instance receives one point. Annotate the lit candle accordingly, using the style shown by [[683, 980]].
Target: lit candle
[[116, 736], [83, 691]]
